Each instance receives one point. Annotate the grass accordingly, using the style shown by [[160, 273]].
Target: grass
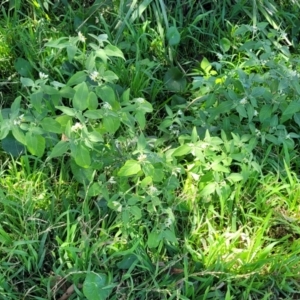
[[191, 200]]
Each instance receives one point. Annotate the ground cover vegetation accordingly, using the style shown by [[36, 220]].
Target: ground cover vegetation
[[149, 149]]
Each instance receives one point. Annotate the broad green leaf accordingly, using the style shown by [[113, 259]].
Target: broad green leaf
[[153, 239], [127, 262], [182, 150], [27, 81], [4, 128], [173, 36], [67, 92], [71, 51], [111, 50], [175, 80], [292, 108], [36, 100], [131, 167], [170, 236], [92, 101], [80, 100], [235, 177], [19, 135], [51, 125], [82, 175], [59, 149], [205, 65], [81, 154], [94, 114], [10, 145], [110, 76], [15, 107], [141, 120], [136, 212], [107, 94], [219, 168], [67, 110], [77, 78], [23, 67], [35, 144], [265, 113], [111, 124], [225, 44], [209, 189], [95, 286]]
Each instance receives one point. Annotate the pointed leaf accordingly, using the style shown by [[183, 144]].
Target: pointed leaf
[[131, 167]]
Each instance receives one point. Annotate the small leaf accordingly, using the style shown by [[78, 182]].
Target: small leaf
[[208, 189], [127, 262], [173, 36], [95, 286], [205, 65], [59, 149], [107, 94], [92, 101], [136, 212], [111, 124], [81, 155], [51, 125], [111, 50], [67, 110], [23, 67], [80, 100], [225, 44], [35, 144], [131, 167], [235, 177], [77, 78], [170, 236], [182, 150], [140, 117], [153, 239]]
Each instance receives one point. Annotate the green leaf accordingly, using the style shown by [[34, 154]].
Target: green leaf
[[36, 100], [12, 146], [209, 189], [140, 118], [80, 100], [153, 239], [225, 44], [5, 128], [27, 81], [127, 261], [265, 113], [131, 167], [59, 149], [107, 94], [51, 125], [15, 107], [92, 101], [170, 236], [205, 65], [23, 67], [175, 80], [292, 108], [235, 177], [110, 76], [111, 50], [19, 135], [182, 150], [35, 144], [173, 36], [77, 78], [95, 286], [111, 124], [67, 110], [81, 154], [136, 212], [94, 114]]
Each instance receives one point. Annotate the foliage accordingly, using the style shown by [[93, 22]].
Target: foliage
[[151, 150]]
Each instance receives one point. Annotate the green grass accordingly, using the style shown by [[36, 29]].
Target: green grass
[[191, 193]]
